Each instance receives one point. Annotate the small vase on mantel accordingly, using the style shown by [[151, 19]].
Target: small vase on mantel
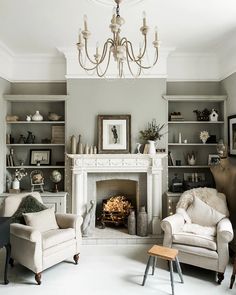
[[152, 148], [73, 144], [132, 223], [142, 223]]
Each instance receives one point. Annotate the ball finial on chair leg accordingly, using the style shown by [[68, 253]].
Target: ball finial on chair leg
[[38, 278], [220, 276], [76, 258]]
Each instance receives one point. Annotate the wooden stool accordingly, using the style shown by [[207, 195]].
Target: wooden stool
[[166, 254]]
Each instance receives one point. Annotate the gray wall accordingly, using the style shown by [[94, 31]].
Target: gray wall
[[4, 88], [228, 86], [38, 88], [142, 98], [193, 88]]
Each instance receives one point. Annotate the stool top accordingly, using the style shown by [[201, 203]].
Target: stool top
[[163, 252]]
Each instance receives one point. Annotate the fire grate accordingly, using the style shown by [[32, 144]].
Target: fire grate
[[115, 211]]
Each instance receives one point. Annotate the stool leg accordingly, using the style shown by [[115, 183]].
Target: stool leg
[[153, 265], [179, 269], [172, 277], [146, 270], [233, 275]]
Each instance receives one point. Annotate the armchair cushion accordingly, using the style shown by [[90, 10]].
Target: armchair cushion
[[195, 240], [199, 229], [28, 204], [57, 236], [201, 213], [42, 221]]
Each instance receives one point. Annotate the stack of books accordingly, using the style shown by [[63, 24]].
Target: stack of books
[[176, 117], [10, 160]]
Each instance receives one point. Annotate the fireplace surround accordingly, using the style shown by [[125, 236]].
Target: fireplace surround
[[88, 169]]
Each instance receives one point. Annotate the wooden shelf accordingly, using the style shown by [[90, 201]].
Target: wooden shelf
[[195, 122], [35, 122], [34, 166], [189, 167], [198, 144], [36, 144]]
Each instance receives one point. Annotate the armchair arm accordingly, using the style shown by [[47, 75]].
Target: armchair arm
[[68, 220], [225, 230], [25, 232], [170, 225]]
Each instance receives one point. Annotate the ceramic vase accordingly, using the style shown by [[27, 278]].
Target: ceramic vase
[[73, 144], [16, 184], [132, 223], [152, 148], [37, 116], [142, 223]]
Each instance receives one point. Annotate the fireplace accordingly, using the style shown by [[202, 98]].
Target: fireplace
[[122, 192], [96, 177]]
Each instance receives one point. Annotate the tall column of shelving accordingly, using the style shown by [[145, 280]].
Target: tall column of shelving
[[189, 128], [22, 105]]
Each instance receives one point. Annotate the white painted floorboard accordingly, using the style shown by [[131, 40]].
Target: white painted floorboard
[[112, 270]]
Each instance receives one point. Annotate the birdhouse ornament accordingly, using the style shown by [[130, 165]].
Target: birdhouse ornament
[[213, 115]]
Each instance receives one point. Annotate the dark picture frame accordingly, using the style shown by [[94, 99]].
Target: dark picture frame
[[114, 134], [232, 135], [41, 155]]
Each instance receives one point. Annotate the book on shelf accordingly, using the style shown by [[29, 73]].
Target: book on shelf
[[170, 159], [10, 161]]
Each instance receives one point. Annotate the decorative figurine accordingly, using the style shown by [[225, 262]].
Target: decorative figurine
[[213, 115], [37, 180]]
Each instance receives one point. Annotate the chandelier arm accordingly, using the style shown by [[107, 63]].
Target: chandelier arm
[[130, 69], [132, 50], [108, 62], [104, 51], [83, 66], [87, 54], [138, 61]]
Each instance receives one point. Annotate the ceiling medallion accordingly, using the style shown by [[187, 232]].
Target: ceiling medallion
[[116, 49]]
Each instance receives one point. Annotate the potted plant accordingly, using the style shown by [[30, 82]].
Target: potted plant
[[152, 134], [18, 175]]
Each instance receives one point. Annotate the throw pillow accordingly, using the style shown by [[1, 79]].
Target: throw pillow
[[201, 213], [28, 204], [43, 221], [183, 212]]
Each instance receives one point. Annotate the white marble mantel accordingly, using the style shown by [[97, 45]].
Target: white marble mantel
[[152, 165]]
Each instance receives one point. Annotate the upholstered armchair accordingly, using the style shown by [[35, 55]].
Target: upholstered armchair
[[38, 250], [200, 230]]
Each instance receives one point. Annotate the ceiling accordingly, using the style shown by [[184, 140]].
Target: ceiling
[[42, 26]]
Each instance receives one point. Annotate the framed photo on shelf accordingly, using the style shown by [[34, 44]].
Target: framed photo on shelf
[[213, 159], [232, 135], [114, 134], [40, 157]]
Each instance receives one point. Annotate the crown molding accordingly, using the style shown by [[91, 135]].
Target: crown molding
[[173, 66], [74, 71]]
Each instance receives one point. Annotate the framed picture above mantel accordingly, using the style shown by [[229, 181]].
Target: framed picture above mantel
[[114, 134], [232, 135]]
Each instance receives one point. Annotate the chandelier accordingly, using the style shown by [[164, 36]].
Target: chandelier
[[118, 47]]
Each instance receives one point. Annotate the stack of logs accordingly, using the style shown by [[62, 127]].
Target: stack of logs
[[115, 211]]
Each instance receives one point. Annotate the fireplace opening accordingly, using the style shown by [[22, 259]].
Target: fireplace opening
[[115, 199]]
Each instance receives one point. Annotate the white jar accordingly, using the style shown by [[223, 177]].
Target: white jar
[[16, 184], [37, 116]]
